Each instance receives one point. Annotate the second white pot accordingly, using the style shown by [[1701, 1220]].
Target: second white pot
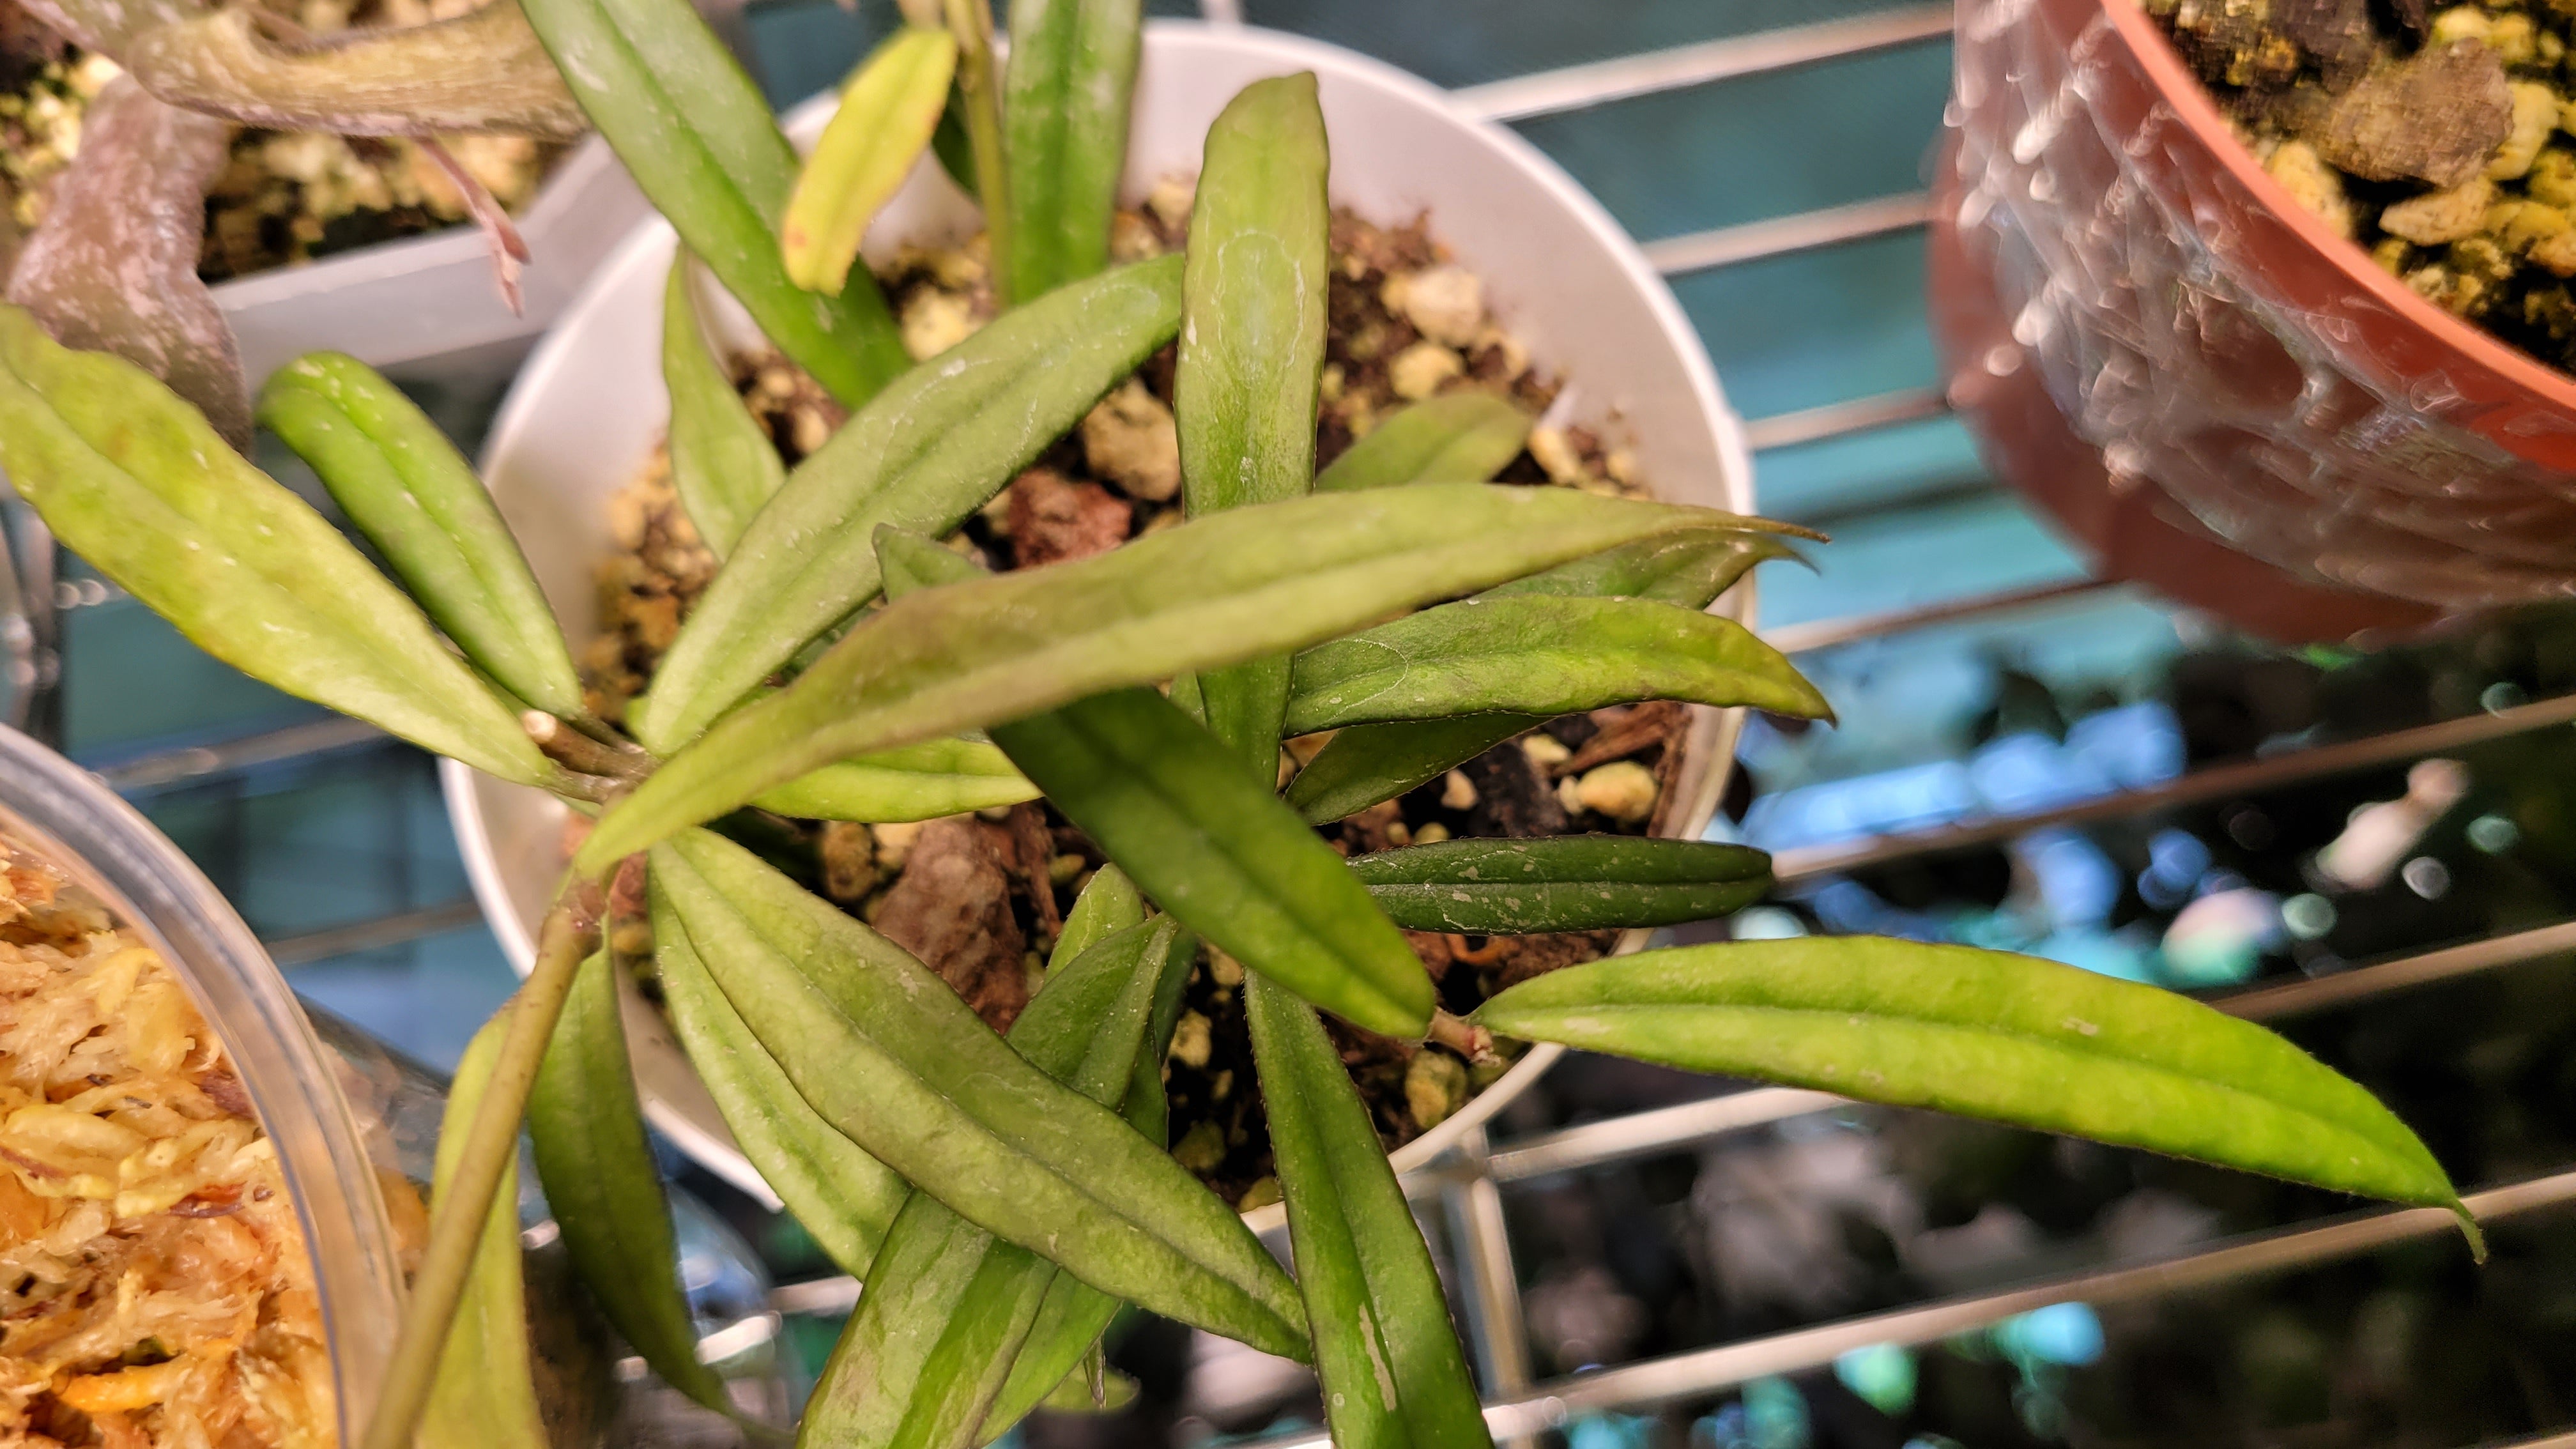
[[590, 408]]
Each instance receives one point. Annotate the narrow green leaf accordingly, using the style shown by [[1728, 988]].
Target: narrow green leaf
[[1384, 1348], [845, 1198], [1690, 570], [1066, 94], [1985, 1034], [132, 479], [1075, 1395], [699, 139], [911, 782], [948, 1307], [599, 1177], [1461, 437], [1109, 904], [722, 465], [480, 71], [1565, 883], [485, 1396], [1216, 590], [1540, 654], [1367, 763], [954, 148], [1252, 350], [1213, 844], [928, 451], [883, 1050], [417, 500], [888, 111]]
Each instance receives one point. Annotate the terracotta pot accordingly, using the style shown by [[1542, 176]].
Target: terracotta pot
[[2207, 340]]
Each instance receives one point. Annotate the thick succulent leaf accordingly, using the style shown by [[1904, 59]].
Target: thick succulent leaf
[[699, 139], [1564, 883], [844, 1198], [1464, 437], [949, 1307], [1540, 654], [485, 1395], [882, 1049], [911, 782], [482, 71], [888, 111], [722, 465], [1252, 350], [113, 266], [1066, 94], [417, 500], [1690, 570], [599, 1177], [1109, 903], [132, 479], [1199, 834], [928, 451], [1367, 763], [1216, 590], [1384, 1348], [1985, 1034]]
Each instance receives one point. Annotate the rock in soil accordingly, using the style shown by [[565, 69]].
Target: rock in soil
[[1053, 518], [2434, 117], [952, 908]]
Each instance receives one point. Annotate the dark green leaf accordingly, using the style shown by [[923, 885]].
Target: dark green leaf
[[406, 488], [928, 451], [1367, 763], [132, 479], [1689, 569], [699, 140], [606, 1194], [485, 1396], [911, 782], [1985, 1034], [888, 110], [1544, 655], [845, 1198], [1066, 91], [1564, 883], [882, 1049], [1463, 437], [481, 71], [1252, 350], [1216, 590], [722, 465], [1384, 1348]]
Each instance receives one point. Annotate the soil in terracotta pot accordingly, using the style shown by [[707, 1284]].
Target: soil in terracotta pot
[[286, 198], [2437, 138], [982, 897]]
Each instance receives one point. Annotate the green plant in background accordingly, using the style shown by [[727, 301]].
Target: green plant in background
[[1001, 1196]]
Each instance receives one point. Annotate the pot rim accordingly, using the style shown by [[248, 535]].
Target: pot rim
[[2192, 104], [1711, 732]]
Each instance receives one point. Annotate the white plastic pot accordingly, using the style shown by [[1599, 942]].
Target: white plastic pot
[[590, 407]]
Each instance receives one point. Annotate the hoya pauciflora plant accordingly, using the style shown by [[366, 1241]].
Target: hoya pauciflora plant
[[1002, 1195]]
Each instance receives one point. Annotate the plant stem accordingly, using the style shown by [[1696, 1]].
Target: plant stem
[[971, 21], [568, 746], [569, 934], [1466, 1039]]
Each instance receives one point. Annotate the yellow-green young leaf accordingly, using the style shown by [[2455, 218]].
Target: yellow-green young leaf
[[1564, 883], [481, 71], [888, 111], [132, 479], [1690, 570], [1216, 590], [845, 1198], [485, 1396], [1542, 655], [1252, 350], [1985, 1034], [416, 499], [1463, 437], [1066, 94], [883, 1050], [911, 782], [599, 1177], [1392, 1372], [931, 449], [722, 465], [699, 139]]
